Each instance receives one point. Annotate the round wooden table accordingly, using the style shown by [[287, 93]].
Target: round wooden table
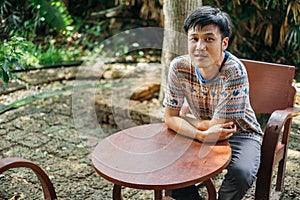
[[154, 157]]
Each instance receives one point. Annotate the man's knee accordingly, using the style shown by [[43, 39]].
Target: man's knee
[[243, 175]]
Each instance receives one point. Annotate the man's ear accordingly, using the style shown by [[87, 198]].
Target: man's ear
[[225, 43]]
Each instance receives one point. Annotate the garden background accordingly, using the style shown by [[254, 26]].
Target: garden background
[[43, 45]]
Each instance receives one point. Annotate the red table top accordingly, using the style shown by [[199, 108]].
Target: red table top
[[155, 157]]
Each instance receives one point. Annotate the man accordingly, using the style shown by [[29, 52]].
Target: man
[[215, 85]]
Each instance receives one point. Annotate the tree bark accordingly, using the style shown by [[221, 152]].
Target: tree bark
[[174, 42]]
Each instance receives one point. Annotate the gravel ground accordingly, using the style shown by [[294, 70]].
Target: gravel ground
[[44, 132]]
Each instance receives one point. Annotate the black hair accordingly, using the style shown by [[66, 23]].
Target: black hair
[[206, 15]]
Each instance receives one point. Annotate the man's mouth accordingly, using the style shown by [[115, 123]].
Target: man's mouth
[[201, 56]]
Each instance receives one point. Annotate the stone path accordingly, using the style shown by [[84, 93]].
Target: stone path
[[46, 132]]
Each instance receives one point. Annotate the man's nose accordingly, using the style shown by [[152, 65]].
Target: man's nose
[[201, 45]]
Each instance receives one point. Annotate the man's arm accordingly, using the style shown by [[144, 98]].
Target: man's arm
[[204, 124], [202, 130]]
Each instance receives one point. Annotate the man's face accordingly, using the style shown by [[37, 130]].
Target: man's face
[[206, 46]]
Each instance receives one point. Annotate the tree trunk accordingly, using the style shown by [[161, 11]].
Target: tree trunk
[[174, 42]]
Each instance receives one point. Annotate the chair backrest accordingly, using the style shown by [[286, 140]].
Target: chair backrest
[[270, 86]]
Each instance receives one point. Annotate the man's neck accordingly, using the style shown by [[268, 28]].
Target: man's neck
[[211, 71]]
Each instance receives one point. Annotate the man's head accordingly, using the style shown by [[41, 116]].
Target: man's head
[[207, 15], [208, 30]]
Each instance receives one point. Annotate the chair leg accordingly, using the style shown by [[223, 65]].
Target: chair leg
[[12, 162], [265, 172], [282, 163], [263, 185], [280, 175]]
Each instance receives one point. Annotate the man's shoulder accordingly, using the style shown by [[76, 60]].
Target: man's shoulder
[[181, 61], [233, 60], [234, 67]]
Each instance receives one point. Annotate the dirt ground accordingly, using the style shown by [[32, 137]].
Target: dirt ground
[[44, 131]]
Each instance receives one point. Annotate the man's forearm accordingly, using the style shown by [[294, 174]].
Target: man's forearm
[[198, 124], [183, 126], [202, 130], [213, 134]]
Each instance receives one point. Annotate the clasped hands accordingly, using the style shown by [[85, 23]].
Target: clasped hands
[[216, 132]]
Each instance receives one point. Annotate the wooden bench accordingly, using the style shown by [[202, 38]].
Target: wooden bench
[[14, 162], [272, 92]]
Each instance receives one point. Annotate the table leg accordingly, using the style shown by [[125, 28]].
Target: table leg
[[211, 189], [158, 194], [117, 192]]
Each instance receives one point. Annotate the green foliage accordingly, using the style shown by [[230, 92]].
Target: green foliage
[[30, 18], [53, 12], [15, 54], [53, 55], [267, 30]]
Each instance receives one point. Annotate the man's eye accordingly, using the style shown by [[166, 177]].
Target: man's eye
[[209, 39], [194, 39]]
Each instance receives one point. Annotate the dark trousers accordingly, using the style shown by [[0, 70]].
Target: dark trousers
[[187, 193], [241, 174]]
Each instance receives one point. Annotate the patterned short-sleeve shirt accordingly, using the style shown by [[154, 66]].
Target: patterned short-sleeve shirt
[[225, 96]]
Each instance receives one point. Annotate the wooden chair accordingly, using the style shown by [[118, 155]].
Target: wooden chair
[[13, 162], [271, 92]]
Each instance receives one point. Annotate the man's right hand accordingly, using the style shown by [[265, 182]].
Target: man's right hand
[[217, 132]]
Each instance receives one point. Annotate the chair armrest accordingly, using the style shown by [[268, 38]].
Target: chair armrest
[[279, 117], [14, 162]]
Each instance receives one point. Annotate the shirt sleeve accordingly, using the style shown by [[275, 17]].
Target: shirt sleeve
[[174, 96], [234, 97]]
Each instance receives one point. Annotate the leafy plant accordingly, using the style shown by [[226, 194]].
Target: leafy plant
[[15, 54]]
